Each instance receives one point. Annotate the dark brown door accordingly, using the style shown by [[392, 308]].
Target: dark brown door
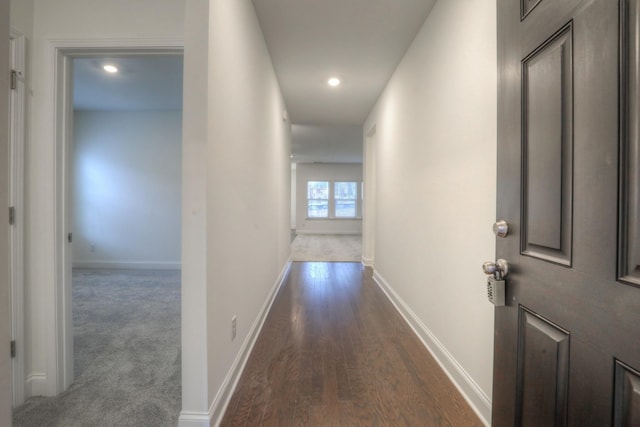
[[567, 343]]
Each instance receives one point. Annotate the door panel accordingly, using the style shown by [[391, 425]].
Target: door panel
[[568, 187], [629, 262], [527, 6], [627, 396], [547, 149], [543, 380]]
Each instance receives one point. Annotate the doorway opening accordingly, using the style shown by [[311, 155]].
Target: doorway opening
[[126, 216], [326, 196], [83, 230]]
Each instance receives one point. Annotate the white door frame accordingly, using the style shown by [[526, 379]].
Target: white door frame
[[5, 307], [61, 54], [16, 201], [369, 203]]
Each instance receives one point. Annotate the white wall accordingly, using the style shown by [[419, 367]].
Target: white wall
[[196, 398], [248, 182], [65, 19], [22, 16], [5, 322], [126, 196], [236, 197], [435, 178], [325, 172]]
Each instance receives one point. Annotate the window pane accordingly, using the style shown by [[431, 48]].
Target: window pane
[[345, 208], [318, 209], [345, 195], [345, 190], [318, 190], [318, 199]]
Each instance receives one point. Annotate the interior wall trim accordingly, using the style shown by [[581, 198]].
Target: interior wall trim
[[58, 56], [36, 385], [470, 390], [328, 232], [223, 396], [17, 127], [125, 44], [194, 419], [367, 262], [129, 265]]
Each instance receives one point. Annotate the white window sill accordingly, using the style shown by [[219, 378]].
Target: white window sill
[[333, 219]]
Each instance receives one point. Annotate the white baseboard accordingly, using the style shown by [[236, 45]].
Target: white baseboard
[[330, 232], [129, 265], [477, 399], [36, 385], [194, 419], [220, 402], [367, 262]]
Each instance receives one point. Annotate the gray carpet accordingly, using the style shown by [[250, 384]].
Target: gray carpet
[[127, 368], [327, 247]]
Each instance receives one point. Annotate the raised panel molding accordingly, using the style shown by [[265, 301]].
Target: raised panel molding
[[543, 371], [526, 6], [626, 396], [547, 150], [629, 237]]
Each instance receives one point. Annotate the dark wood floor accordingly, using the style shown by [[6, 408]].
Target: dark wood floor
[[335, 352]]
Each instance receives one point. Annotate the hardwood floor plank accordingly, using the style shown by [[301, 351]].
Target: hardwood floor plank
[[281, 374], [335, 352], [317, 377], [301, 412], [342, 380]]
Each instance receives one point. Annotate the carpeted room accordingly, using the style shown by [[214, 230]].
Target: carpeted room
[[326, 247], [127, 364]]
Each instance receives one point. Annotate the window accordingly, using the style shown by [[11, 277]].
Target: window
[[326, 199], [318, 199], [346, 197]]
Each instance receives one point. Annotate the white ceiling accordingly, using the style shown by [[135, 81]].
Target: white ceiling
[[143, 82], [326, 143], [359, 41]]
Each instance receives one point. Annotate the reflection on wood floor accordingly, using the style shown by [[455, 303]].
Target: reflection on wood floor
[[334, 351]]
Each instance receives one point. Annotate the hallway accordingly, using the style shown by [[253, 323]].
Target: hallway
[[257, 72], [334, 351]]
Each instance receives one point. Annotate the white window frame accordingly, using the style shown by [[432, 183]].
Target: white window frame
[[331, 214]]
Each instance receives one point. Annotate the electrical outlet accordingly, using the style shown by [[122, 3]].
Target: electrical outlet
[[233, 328]]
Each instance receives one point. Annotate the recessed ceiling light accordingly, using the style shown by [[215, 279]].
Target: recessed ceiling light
[[333, 81], [110, 68]]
